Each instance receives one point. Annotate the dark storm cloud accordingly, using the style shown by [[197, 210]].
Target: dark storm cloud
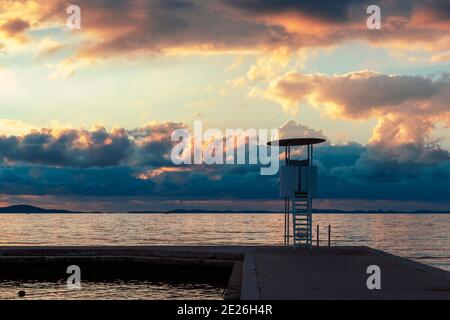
[[123, 181], [136, 163], [365, 172], [339, 155], [343, 10], [71, 148], [82, 148], [336, 11], [217, 182], [104, 182], [152, 144], [346, 172]]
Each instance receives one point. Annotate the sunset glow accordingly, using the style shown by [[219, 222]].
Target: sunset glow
[[87, 115]]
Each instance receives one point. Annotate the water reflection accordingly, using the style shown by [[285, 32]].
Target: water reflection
[[422, 237], [117, 290]]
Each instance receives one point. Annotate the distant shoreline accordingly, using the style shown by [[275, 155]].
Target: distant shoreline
[[27, 209]]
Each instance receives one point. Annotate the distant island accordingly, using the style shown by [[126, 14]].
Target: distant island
[[26, 209], [23, 208]]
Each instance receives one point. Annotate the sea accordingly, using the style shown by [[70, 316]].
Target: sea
[[421, 237]]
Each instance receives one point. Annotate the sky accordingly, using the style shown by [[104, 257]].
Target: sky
[[86, 115]]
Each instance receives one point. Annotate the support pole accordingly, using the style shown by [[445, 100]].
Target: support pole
[[318, 241], [284, 233], [329, 235], [286, 201], [288, 223]]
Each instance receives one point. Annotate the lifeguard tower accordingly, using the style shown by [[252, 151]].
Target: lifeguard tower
[[298, 187]]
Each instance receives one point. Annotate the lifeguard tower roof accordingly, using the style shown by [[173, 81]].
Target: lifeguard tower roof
[[296, 142]]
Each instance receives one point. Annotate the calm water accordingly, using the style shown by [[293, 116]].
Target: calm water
[[117, 290], [424, 238]]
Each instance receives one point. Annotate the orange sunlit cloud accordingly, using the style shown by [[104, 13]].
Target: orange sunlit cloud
[[160, 27]]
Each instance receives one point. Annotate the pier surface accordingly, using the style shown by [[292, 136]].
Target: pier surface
[[258, 272]]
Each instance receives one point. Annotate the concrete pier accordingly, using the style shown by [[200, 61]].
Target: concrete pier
[[252, 272]]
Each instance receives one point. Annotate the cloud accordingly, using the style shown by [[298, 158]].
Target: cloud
[[177, 26], [360, 94], [236, 64], [14, 127], [270, 65], [408, 24], [371, 172], [408, 108], [135, 163], [292, 129], [441, 57], [80, 148], [144, 28], [48, 47], [15, 28], [403, 152]]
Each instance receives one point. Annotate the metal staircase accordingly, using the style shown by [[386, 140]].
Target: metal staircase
[[302, 220]]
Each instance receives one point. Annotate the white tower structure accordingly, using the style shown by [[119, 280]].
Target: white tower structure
[[298, 187]]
